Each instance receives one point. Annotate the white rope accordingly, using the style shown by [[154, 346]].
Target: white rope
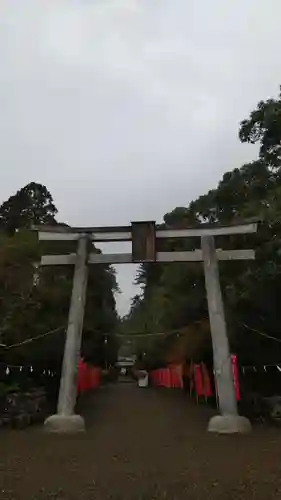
[[260, 333], [32, 339], [140, 334]]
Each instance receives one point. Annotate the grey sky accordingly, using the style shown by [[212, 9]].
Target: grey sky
[[126, 109]]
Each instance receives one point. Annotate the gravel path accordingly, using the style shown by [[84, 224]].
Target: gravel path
[[141, 444]]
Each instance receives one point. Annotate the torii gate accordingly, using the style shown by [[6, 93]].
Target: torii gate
[[143, 236]]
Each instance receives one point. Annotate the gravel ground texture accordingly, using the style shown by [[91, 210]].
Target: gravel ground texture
[[140, 444]]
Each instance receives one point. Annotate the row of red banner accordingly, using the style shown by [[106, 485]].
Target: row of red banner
[[201, 381], [89, 377], [170, 377]]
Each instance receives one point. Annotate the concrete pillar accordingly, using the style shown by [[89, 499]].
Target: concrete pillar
[[65, 420], [229, 420]]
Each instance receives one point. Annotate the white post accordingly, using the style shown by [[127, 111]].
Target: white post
[[228, 421], [65, 420]]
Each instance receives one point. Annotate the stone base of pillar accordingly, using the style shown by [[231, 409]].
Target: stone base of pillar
[[229, 424], [65, 424]]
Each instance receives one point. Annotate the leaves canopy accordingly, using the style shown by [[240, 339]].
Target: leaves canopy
[[33, 204], [35, 300], [264, 126], [173, 296]]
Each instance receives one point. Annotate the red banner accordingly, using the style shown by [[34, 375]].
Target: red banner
[[199, 385], [207, 382], [176, 376], [167, 377], [88, 377], [235, 376]]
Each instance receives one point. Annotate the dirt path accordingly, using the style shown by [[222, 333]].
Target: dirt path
[[140, 445]]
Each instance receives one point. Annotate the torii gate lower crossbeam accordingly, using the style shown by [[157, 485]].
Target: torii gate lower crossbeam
[[143, 236]]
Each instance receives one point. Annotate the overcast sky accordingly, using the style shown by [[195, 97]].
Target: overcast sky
[[126, 109]]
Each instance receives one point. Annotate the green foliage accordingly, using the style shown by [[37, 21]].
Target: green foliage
[[6, 389], [33, 204], [174, 295], [35, 300], [264, 126]]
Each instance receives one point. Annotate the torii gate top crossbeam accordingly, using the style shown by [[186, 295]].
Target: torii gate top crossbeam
[[124, 233]]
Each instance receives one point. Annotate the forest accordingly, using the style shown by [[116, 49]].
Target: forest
[[173, 296], [34, 300]]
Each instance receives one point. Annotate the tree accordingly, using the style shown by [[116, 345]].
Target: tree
[[174, 295], [17, 255], [264, 126], [30, 307], [99, 343], [33, 204], [35, 300]]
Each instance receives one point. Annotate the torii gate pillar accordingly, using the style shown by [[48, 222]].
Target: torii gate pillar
[[229, 421], [66, 420]]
